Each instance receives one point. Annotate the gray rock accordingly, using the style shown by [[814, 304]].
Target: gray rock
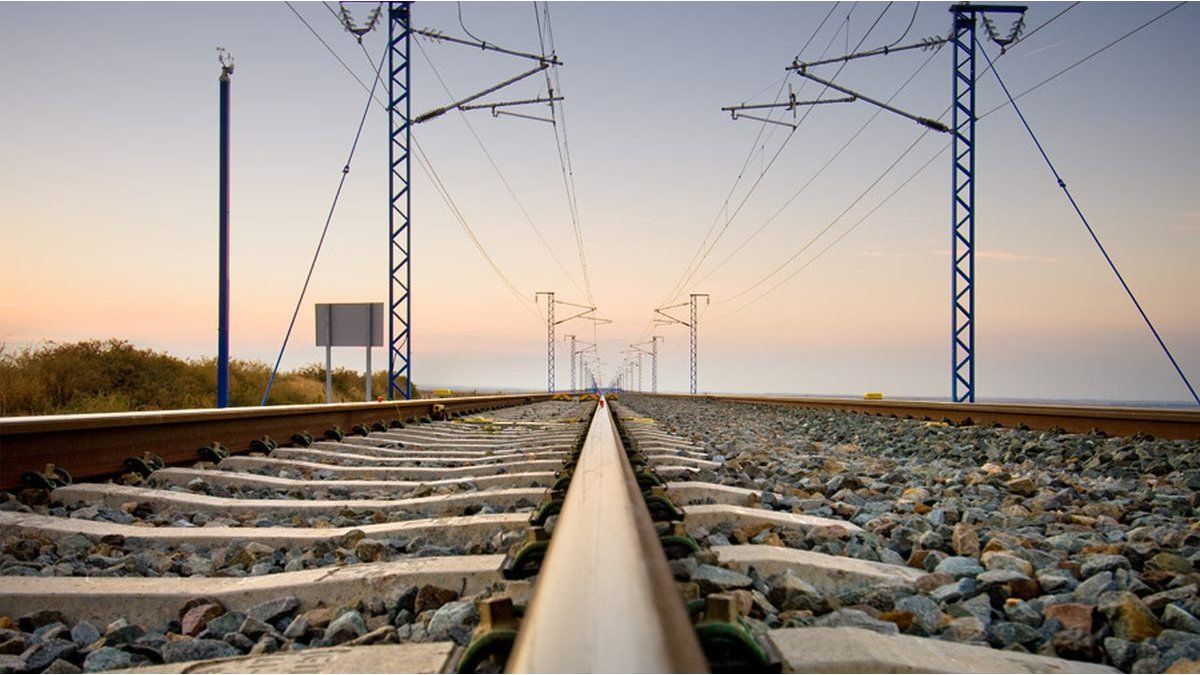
[[1122, 653], [255, 628], [926, 613], [12, 642], [345, 628], [57, 629], [197, 565], [1103, 562], [239, 642], [1023, 612], [122, 634], [11, 663], [1090, 590], [1179, 619], [197, 650], [965, 629], [107, 658], [712, 579], [1055, 581], [74, 546], [998, 577], [979, 607], [43, 617], [62, 666], [960, 567], [296, 628], [853, 618], [1171, 638], [84, 633], [1158, 601], [273, 609], [228, 622], [40, 656], [962, 588], [453, 620], [1006, 634]]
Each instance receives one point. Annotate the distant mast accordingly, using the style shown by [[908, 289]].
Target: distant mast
[[223, 245]]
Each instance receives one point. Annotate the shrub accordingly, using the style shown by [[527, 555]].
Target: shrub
[[115, 376]]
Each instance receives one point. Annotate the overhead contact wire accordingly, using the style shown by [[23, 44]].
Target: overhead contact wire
[[777, 154], [676, 288], [499, 173], [947, 145], [1091, 232], [324, 230]]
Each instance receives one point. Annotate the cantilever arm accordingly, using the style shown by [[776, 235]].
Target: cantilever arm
[[923, 121]]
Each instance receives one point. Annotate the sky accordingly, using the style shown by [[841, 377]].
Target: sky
[[108, 192]]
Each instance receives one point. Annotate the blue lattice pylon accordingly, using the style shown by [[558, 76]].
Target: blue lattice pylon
[[399, 203], [962, 209]]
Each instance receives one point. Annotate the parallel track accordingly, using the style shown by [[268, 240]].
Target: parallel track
[[97, 445], [1171, 423]]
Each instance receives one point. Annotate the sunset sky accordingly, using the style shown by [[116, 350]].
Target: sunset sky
[[108, 192]]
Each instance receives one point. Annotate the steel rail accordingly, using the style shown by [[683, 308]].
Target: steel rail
[[605, 600], [97, 445], [1113, 420]]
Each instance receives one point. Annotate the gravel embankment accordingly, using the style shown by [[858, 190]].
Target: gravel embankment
[[1078, 546], [205, 629]]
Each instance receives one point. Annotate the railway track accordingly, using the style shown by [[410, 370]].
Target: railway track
[[647, 534], [1171, 423]]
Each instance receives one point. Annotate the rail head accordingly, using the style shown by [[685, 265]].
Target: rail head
[[605, 599]]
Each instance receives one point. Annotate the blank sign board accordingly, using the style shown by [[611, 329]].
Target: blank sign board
[[350, 324]]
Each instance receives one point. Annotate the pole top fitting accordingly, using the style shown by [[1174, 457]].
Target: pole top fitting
[[226, 61]]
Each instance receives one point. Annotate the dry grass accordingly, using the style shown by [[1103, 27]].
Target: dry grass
[[115, 376]]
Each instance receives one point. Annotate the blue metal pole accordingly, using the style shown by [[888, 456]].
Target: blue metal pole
[[223, 246], [962, 209], [399, 203]]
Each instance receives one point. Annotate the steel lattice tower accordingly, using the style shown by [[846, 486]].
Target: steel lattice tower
[[549, 338], [694, 324], [571, 340], [654, 363], [399, 203], [962, 208]]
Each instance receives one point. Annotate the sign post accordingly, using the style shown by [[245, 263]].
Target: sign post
[[358, 324]]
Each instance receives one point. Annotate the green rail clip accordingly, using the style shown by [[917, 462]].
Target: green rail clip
[[145, 465], [677, 543], [494, 638], [525, 559], [662, 509], [727, 640], [303, 439], [213, 453], [264, 444], [52, 477]]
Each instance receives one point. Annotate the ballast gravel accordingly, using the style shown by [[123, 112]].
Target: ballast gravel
[[44, 642], [1071, 545]]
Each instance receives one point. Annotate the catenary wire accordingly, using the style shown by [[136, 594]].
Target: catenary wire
[[558, 113], [1091, 232], [771, 163], [426, 166], [911, 21], [499, 173], [324, 231], [1025, 37], [946, 147], [778, 269], [819, 171], [676, 288]]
